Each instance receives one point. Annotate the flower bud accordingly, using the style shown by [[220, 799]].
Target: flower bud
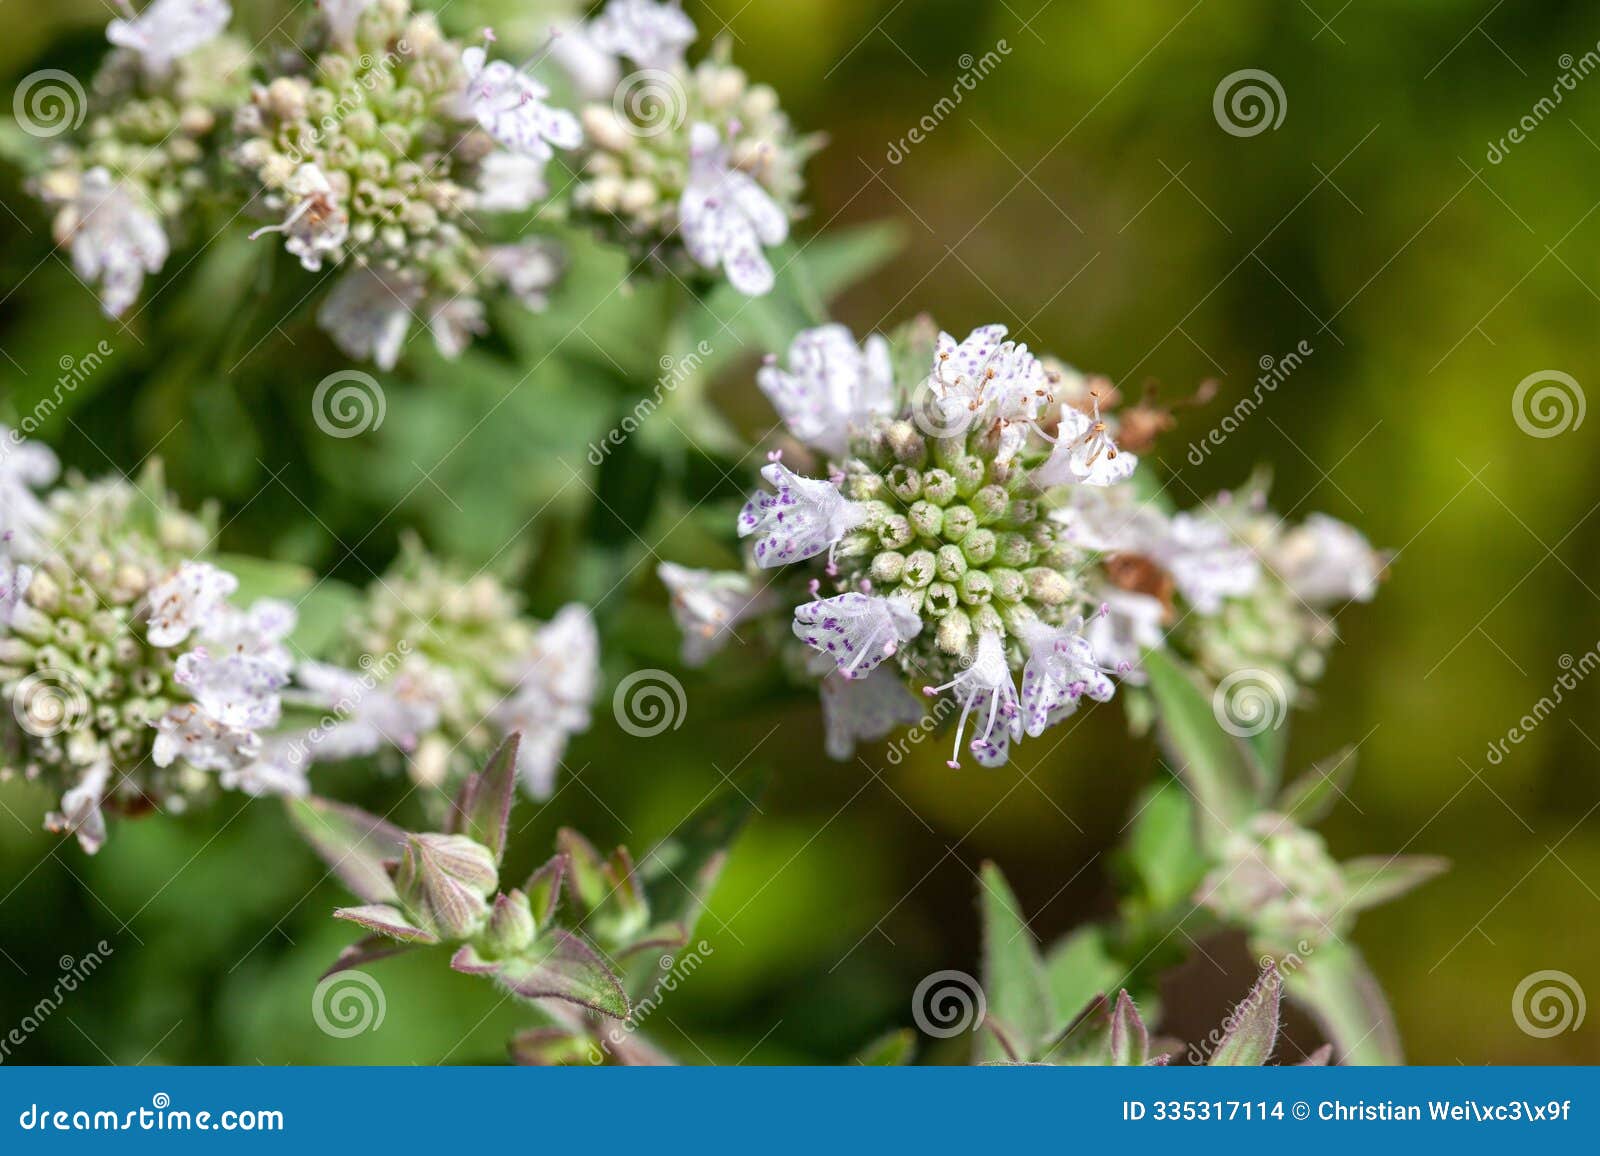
[[444, 880], [511, 926]]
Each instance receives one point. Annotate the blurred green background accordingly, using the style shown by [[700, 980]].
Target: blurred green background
[[1084, 194]]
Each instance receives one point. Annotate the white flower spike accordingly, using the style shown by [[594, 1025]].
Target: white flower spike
[[1084, 453], [510, 106], [726, 217], [649, 33], [187, 602]]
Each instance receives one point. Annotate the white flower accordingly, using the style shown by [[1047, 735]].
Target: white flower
[[649, 33], [364, 715], [510, 182], [593, 71], [25, 466], [726, 217], [187, 732], [1206, 562], [986, 378], [80, 809], [864, 710], [114, 239], [707, 605], [368, 315], [342, 17], [529, 269], [1084, 454], [169, 29], [830, 387], [803, 518], [1061, 669], [510, 105], [1127, 625], [280, 768], [187, 602], [857, 631], [553, 692], [985, 689], [1111, 520], [1324, 561], [454, 323], [317, 225], [14, 580], [241, 664]]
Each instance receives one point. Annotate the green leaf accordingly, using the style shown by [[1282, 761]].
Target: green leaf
[[679, 873], [483, 808], [1218, 769], [1015, 985], [1253, 1026], [839, 258], [543, 889], [264, 578], [1162, 849], [559, 965], [323, 612], [1312, 795], [1340, 992], [1079, 969], [890, 1050], [387, 921], [354, 844], [552, 1048], [1375, 879]]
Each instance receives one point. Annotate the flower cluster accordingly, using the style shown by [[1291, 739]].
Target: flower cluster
[[380, 153], [464, 648], [692, 168], [127, 188], [134, 680], [977, 535]]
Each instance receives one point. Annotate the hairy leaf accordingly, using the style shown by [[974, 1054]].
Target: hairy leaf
[[354, 844]]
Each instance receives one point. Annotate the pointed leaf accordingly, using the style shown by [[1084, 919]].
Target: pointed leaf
[[1219, 770], [368, 950], [483, 808], [1340, 992], [585, 877], [354, 844], [1375, 879], [1312, 795], [559, 966], [1130, 1039], [890, 1050], [386, 920], [1319, 1058], [543, 889], [1079, 969], [680, 872], [1253, 1027], [1014, 982], [1163, 850]]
